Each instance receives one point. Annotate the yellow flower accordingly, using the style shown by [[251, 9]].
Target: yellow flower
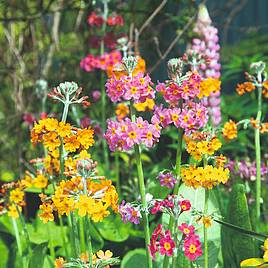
[[51, 141], [84, 205], [207, 221], [27, 181], [104, 255], [16, 195], [208, 86], [229, 130], [85, 137], [46, 212], [13, 211], [59, 263], [71, 144], [84, 257], [40, 181], [64, 129]]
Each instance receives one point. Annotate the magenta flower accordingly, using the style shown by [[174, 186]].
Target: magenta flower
[[187, 230], [192, 247], [185, 205], [167, 179], [166, 244], [96, 94]]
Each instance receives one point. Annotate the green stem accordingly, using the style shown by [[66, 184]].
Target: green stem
[[205, 230], [258, 157], [117, 173], [144, 203], [65, 110], [82, 235], [63, 237], [17, 235], [50, 244], [73, 243], [88, 241], [176, 188], [25, 231]]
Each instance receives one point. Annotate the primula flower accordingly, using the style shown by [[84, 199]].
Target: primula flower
[[166, 244], [207, 221], [185, 205], [187, 230], [16, 195], [95, 20], [129, 213], [229, 130], [59, 263], [244, 88], [115, 20], [167, 179], [192, 247]]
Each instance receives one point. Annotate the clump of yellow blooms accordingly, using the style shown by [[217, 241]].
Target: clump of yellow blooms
[[50, 132], [206, 177], [208, 86], [121, 111], [70, 196], [198, 148], [229, 130], [143, 106]]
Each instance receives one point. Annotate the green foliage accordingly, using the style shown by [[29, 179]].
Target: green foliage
[[134, 259], [235, 246], [38, 256]]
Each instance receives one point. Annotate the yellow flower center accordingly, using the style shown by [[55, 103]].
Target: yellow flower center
[[186, 230], [132, 134], [167, 246], [192, 248]]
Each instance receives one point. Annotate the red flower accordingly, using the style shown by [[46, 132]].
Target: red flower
[[166, 244], [187, 230], [185, 205], [192, 247], [115, 20], [95, 20]]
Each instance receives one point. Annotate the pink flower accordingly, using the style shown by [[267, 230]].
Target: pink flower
[[192, 247], [187, 230], [95, 20], [129, 213], [167, 179], [96, 94], [28, 118], [115, 20], [166, 244], [85, 122], [185, 205]]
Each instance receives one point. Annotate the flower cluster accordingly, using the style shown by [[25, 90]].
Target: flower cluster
[[245, 87], [100, 259], [246, 169], [207, 45], [209, 86], [136, 88], [123, 135], [50, 132], [229, 130], [98, 20], [206, 177], [104, 62], [161, 242], [189, 88], [192, 244], [129, 212], [167, 179], [70, 195], [190, 117], [198, 148]]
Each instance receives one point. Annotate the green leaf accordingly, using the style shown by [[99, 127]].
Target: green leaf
[[254, 262], [97, 240], [134, 259], [113, 229], [38, 256], [4, 254]]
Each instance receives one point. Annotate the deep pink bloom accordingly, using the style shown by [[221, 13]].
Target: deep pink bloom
[[192, 247], [95, 20], [85, 122], [129, 213], [187, 230], [28, 118], [185, 205], [166, 244], [115, 20]]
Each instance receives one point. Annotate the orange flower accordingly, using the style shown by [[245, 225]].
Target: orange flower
[[59, 262], [244, 88], [121, 111], [229, 130]]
